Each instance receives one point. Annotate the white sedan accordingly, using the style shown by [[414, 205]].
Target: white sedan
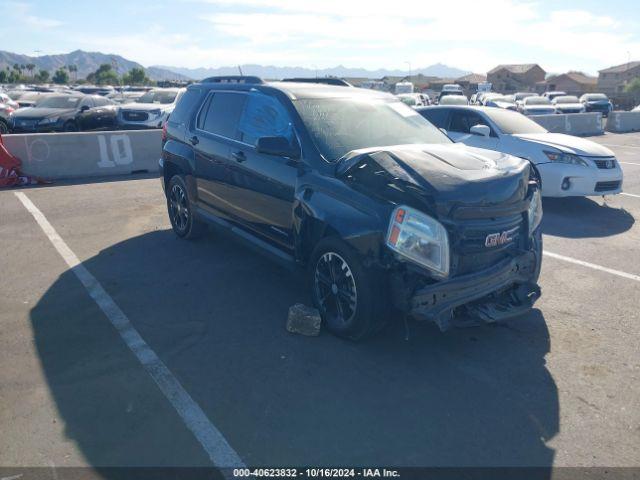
[[568, 165]]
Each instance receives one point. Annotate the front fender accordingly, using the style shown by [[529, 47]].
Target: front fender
[[356, 219]]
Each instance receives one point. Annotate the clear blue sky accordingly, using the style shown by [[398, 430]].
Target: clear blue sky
[[475, 35]]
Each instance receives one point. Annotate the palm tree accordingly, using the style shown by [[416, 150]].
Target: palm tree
[[31, 67]]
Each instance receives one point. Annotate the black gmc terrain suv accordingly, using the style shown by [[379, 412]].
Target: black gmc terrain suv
[[387, 215]]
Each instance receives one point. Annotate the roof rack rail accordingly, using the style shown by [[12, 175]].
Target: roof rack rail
[[234, 79], [322, 80]]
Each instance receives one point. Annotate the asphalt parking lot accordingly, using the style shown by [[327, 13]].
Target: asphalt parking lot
[[559, 387]]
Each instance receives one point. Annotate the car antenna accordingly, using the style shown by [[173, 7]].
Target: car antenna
[[240, 70]]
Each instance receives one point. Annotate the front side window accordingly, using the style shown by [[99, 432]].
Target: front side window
[[222, 114], [264, 116], [437, 116], [340, 125], [462, 121]]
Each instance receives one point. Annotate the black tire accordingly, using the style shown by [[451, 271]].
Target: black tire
[[4, 128], [349, 296], [70, 126], [180, 210]]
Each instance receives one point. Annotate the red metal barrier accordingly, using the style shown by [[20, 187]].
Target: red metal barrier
[[10, 173]]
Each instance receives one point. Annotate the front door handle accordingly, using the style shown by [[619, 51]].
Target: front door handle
[[239, 156], [194, 140]]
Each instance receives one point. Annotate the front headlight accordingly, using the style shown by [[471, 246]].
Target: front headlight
[[535, 211], [562, 157], [48, 121], [420, 239], [156, 113]]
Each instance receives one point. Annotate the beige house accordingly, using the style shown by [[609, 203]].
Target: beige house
[[516, 78], [574, 83], [612, 80], [470, 82]]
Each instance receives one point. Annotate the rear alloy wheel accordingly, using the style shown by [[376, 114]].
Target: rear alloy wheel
[[4, 129], [180, 211], [351, 298]]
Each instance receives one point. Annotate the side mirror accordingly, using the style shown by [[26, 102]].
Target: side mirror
[[480, 130], [84, 108], [278, 146]]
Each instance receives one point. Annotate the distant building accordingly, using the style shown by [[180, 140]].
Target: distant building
[[574, 83], [516, 78], [612, 80], [469, 83]]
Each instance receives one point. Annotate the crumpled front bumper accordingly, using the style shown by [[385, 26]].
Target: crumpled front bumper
[[505, 290]]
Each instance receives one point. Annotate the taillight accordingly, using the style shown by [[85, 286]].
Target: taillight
[[164, 132]]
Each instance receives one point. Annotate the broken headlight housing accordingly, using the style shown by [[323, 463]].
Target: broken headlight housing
[[535, 211], [419, 238]]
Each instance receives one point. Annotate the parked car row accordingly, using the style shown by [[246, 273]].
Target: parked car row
[[530, 103], [75, 111]]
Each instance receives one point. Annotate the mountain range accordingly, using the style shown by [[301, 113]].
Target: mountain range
[[272, 72], [88, 62]]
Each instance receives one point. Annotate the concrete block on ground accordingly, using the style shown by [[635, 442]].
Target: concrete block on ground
[[621, 122], [304, 320], [579, 124]]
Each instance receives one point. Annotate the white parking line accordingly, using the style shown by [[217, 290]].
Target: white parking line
[[629, 163], [619, 273], [630, 194], [213, 442]]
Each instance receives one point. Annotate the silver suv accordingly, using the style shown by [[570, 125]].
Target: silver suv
[[151, 110]]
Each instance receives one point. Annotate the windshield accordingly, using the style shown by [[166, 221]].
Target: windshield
[[158, 96], [511, 122], [567, 99], [536, 101], [597, 96], [59, 102], [340, 125]]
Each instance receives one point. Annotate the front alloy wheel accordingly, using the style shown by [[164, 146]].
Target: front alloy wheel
[[335, 289]]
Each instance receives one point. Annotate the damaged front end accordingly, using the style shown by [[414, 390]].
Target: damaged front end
[[487, 212]]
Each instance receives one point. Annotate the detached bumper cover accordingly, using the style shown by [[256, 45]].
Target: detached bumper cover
[[497, 293]]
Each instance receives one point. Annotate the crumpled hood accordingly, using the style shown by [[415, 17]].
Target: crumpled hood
[[447, 174], [568, 144], [146, 107]]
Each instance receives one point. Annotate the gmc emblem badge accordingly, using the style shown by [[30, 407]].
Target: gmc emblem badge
[[497, 239]]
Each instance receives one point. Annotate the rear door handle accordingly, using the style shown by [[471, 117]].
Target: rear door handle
[[239, 156], [194, 140]]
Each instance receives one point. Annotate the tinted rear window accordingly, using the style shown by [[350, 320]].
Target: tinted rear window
[[185, 106], [437, 116], [223, 114]]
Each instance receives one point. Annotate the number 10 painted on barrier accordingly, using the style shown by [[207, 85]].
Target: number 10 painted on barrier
[[121, 152]]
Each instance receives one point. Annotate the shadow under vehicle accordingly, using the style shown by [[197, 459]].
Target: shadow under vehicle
[[214, 313]]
